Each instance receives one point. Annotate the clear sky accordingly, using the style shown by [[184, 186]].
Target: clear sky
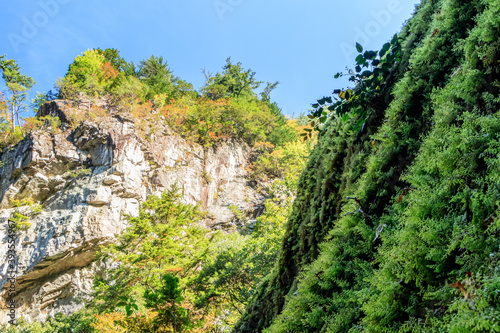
[[302, 44]]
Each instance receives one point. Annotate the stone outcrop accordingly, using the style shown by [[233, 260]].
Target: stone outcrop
[[73, 187]]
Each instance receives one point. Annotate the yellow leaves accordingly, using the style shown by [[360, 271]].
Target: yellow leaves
[[347, 95], [31, 123], [117, 322], [278, 154], [97, 112], [3, 105], [264, 146], [89, 73], [160, 100], [108, 322], [24, 202]]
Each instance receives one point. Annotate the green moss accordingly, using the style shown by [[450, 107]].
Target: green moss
[[80, 172], [423, 173]]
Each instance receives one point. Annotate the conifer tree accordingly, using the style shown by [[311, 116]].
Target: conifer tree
[[17, 85]]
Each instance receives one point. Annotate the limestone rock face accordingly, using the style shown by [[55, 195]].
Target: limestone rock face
[[73, 186]]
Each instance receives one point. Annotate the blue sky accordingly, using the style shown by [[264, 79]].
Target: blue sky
[[301, 44]]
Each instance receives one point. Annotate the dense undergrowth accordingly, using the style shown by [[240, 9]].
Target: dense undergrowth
[[395, 227]]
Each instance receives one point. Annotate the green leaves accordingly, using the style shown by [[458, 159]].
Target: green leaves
[[384, 49], [166, 300], [97, 72], [128, 303], [18, 86], [368, 84], [361, 60], [324, 100], [165, 238], [366, 74], [438, 136], [234, 81], [370, 55], [345, 117]]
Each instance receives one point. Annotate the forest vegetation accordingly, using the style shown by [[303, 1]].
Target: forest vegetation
[[395, 227], [395, 224], [174, 273]]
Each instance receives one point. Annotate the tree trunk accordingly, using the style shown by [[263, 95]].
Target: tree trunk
[[13, 122], [15, 107], [19, 121]]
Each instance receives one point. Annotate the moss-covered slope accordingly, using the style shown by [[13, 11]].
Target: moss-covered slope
[[415, 246]]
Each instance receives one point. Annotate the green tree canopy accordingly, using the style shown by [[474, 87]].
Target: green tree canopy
[[18, 86], [113, 57], [234, 81]]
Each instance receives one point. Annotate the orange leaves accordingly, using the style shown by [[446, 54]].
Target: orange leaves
[[466, 286], [459, 285], [264, 146], [96, 112], [31, 124], [201, 119], [405, 192], [278, 154], [142, 110], [109, 72], [175, 112], [174, 270], [3, 103], [212, 135], [78, 115]]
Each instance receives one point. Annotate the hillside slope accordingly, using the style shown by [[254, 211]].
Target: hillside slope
[[67, 189], [395, 226]]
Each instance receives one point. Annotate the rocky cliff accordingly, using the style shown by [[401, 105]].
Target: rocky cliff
[[68, 189]]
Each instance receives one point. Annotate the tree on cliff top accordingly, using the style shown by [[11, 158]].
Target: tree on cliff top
[[232, 82], [18, 86], [91, 74]]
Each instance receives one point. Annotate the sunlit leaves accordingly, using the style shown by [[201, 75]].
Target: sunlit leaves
[[18, 86], [165, 236], [234, 81], [377, 65]]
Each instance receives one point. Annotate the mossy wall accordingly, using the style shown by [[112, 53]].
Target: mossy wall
[[415, 246]]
